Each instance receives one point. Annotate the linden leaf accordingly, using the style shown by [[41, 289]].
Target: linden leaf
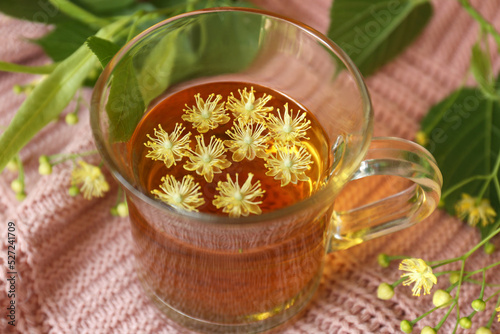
[[49, 98], [125, 106], [65, 39], [108, 6], [40, 11], [102, 48], [482, 71], [463, 134], [373, 32]]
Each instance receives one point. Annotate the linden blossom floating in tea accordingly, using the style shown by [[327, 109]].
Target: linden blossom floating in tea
[[257, 139]]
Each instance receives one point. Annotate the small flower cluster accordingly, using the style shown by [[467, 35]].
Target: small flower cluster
[[255, 133], [423, 275], [86, 179]]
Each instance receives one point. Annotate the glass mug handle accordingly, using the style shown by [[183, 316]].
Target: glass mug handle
[[394, 157]]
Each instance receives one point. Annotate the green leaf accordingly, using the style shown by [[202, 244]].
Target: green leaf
[[125, 105], [482, 71], [40, 11], [65, 39], [103, 7], [49, 98], [373, 32], [102, 48], [78, 13], [463, 134]]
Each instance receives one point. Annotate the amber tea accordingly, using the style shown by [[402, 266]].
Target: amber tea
[[231, 149], [247, 130]]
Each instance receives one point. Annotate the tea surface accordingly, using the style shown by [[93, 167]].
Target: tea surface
[[279, 143]]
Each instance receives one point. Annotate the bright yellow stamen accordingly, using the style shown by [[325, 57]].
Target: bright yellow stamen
[[286, 129], [419, 273], [208, 160], [91, 179], [289, 164], [247, 107], [206, 115], [247, 140], [168, 147], [238, 201], [183, 194]]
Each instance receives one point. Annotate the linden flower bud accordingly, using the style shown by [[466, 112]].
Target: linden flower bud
[[17, 186], [12, 166], [478, 305], [45, 169], [428, 330], [440, 298], [73, 191], [454, 278], [21, 196], [43, 159], [122, 209], [406, 326], [465, 323], [383, 260], [18, 89], [385, 291], [71, 119], [483, 330], [489, 248]]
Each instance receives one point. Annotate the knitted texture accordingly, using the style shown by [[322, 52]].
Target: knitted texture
[[75, 261]]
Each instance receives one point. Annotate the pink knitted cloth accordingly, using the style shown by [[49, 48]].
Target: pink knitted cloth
[[75, 261]]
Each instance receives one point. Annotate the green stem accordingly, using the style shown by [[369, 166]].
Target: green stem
[[493, 314], [414, 321], [485, 240], [485, 25], [443, 320], [20, 168], [79, 13], [437, 264], [399, 281], [493, 295], [11, 67], [457, 296], [70, 156], [483, 284], [463, 183]]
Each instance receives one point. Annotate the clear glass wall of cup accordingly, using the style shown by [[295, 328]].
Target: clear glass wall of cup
[[218, 274]]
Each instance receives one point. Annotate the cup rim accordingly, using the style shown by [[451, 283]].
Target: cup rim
[[319, 197]]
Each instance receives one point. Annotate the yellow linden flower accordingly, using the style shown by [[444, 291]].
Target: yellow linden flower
[[247, 140], [208, 160], [247, 107], [92, 182], [168, 147], [419, 273], [206, 115], [288, 129], [498, 310], [238, 201], [183, 194], [289, 164], [475, 211]]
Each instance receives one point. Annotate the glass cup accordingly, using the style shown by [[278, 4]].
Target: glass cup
[[213, 273]]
